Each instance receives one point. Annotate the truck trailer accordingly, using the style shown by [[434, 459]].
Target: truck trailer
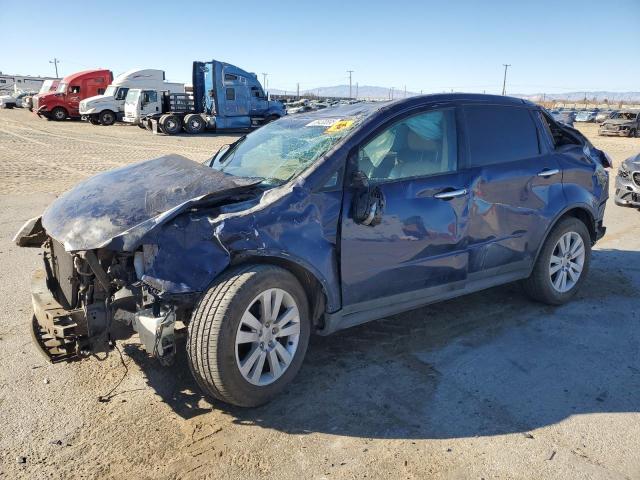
[[72, 89], [225, 97], [107, 108]]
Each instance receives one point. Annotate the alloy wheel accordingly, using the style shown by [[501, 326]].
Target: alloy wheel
[[267, 337], [567, 261]]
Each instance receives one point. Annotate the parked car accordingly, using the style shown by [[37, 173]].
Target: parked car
[[13, 100], [603, 115], [625, 123], [628, 183], [564, 116], [586, 116], [314, 223]]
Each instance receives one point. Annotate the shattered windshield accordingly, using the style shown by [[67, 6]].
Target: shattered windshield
[[283, 149]]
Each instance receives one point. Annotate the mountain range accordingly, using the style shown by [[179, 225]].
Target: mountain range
[[370, 92]]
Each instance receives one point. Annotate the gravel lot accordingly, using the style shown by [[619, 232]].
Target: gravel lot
[[490, 385]]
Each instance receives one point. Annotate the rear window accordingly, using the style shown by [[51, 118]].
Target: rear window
[[500, 134]]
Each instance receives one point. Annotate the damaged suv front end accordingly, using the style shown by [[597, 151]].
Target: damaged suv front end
[[104, 258], [628, 183]]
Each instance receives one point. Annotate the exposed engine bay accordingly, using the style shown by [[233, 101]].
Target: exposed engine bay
[[78, 296]]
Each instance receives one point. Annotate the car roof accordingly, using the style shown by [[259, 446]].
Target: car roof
[[369, 108]]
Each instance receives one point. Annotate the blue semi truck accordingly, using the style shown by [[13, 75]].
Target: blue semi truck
[[224, 97]]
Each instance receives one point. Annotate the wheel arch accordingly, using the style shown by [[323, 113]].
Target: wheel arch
[[582, 213], [314, 286]]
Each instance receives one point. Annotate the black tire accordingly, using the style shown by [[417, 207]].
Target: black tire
[[213, 327], [107, 117], [9, 106], [194, 123], [633, 133], [170, 124], [93, 120], [538, 286], [58, 114]]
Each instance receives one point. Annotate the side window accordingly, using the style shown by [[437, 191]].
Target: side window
[[424, 144], [122, 93], [500, 134], [74, 89], [228, 77], [150, 96], [230, 94], [101, 91]]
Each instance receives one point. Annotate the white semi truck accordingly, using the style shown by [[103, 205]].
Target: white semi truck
[[107, 108]]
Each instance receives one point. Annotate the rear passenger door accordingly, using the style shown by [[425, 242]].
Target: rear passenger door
[[516, 191]]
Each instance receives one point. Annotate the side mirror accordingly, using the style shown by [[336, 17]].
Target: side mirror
[[368, 201]]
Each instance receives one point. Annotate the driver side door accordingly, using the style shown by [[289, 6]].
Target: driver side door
[[418, 248]]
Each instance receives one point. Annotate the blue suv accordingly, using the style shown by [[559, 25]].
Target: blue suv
[[314, 223]]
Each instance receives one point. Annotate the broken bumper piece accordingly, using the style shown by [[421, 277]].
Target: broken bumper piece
[[56, 331]]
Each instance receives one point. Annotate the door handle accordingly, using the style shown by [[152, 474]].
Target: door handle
[[449, 194], [548, 172]]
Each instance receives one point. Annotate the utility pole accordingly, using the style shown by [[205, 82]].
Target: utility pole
[[504, 82], [298, 90], [392, 93], [356, 90], [350, 72], [55, 62], [405, 91]]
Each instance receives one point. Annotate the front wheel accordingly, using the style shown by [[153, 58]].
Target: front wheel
[[59, 114], [249, 334], [562, 264], [107, 118]]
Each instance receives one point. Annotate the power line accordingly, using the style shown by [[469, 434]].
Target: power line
[[55, 62], [504, 81]]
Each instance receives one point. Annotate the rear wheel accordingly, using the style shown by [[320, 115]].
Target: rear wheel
[[633, 133], [194, 123], [562, 264], [59, 114], [249, 334], [107, 117], [170, 124]]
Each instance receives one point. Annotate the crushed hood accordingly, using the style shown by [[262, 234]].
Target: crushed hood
[[115, 209]]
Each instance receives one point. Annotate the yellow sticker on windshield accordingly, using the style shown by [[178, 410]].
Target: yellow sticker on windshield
[[339, 125]]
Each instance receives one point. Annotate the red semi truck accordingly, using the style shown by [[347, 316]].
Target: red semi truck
[[65, 101]]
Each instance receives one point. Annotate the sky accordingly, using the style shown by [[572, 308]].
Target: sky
[[553, 46]]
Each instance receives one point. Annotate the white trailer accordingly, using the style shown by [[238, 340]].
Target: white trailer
[[107, 108], [11, 84]]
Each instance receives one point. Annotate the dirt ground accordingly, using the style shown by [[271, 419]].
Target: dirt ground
[[490, 385]]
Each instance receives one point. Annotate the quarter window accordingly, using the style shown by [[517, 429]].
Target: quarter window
[[500, 134], [421, 145]]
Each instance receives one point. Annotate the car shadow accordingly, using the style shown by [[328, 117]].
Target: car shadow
[[489, 363]]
